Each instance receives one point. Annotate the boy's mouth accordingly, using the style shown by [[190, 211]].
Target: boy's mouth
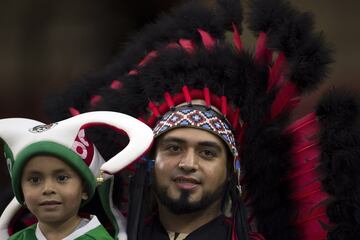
[[50, 203]]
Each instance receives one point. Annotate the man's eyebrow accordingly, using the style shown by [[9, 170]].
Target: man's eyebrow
[[171, 139], [211, 144], [180, 140]]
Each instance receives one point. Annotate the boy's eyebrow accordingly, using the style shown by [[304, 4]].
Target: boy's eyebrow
[[61, 170], [33, 171]]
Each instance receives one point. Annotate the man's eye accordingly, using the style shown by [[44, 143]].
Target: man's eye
[[62, 178], [173, 148], [207, 154]]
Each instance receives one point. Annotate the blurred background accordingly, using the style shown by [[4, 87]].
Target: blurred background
[[45, 44]]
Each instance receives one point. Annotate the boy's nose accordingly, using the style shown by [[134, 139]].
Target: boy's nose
[[48, 187]]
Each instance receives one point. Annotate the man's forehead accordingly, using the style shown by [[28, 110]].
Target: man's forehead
[[188, 134]]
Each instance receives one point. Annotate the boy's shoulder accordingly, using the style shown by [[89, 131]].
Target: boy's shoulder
[[98, 233], [26, 234]]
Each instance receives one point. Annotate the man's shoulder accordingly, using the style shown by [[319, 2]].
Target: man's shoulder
[[153, 229], [256, 236], [219, 228], [26, 234]]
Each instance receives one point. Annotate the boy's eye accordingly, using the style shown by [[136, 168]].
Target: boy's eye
[[62, 178], [34, 180]]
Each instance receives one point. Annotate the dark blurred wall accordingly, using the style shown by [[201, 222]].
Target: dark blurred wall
[[45, 44]]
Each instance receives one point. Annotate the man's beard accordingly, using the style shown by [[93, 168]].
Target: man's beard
[[182, 205]]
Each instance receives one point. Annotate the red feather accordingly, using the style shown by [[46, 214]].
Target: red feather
[[187, 44], [277, 72], [262, 54], [237, 39], [283, 100], [207, 39]]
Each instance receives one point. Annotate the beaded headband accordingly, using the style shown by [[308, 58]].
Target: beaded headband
[[200, 117]]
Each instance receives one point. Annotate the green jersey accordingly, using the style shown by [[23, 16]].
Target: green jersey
[[92, 230]]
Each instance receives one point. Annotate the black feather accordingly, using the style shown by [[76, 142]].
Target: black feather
[[338, 113]]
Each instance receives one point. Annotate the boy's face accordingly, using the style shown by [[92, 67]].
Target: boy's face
[[52, 190]]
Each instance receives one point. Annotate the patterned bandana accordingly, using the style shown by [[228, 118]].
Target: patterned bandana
[[198, 116]]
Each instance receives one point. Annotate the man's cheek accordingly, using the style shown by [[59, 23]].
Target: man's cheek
[[159, 165]]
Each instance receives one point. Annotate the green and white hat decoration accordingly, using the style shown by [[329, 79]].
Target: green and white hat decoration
[[66, 139]]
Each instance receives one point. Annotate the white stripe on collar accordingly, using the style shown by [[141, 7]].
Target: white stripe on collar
[[94, 223]]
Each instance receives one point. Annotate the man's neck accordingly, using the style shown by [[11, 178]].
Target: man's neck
[[57, 231], [187, 223]]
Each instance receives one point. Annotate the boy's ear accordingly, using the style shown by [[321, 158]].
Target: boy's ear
[[84, 196]]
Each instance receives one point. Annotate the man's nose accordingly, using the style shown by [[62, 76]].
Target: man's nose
[[189, 161]]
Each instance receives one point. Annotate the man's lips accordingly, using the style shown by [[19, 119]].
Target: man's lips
[[187, 183]]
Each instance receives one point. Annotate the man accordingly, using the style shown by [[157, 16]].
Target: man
[[192, 174], [225, 162]]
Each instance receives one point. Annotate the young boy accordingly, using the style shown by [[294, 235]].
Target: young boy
[[53, 192], [54, 168]]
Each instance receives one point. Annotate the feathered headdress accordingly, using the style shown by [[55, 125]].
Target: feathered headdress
[[196, 53]]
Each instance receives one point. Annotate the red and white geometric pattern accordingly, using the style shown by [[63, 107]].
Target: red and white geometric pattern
[[202, 118]]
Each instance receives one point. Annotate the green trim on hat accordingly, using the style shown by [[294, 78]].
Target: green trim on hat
[[105, 193], [53, 149], [9, 157]]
